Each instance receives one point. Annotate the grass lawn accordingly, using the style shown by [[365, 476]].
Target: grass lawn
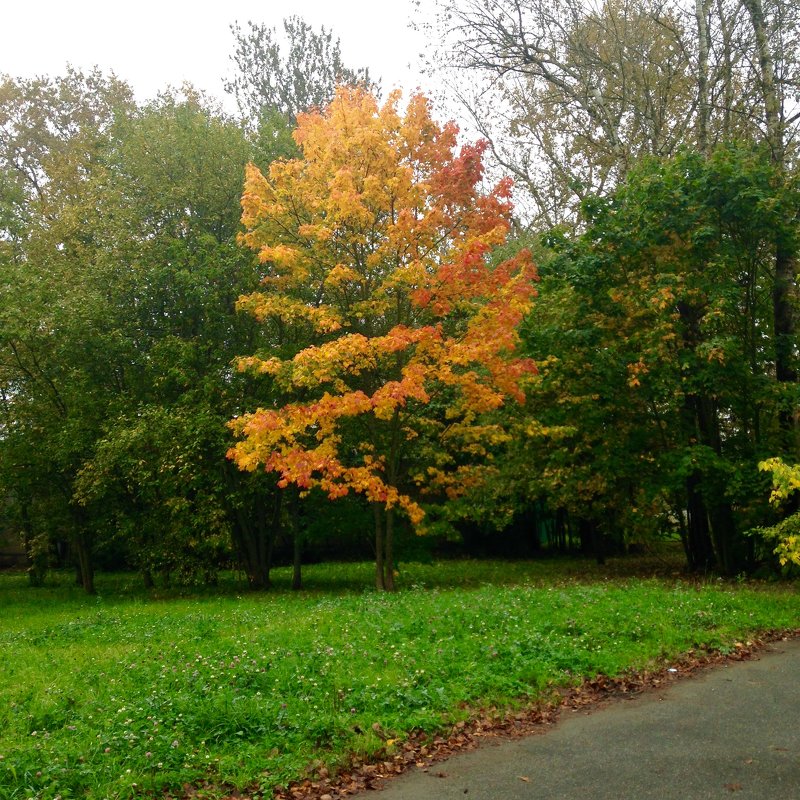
[[131, 693]]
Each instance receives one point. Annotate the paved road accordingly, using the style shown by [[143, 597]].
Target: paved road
[[732, 732]]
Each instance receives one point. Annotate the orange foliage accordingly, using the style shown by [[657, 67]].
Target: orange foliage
[[377, 241]]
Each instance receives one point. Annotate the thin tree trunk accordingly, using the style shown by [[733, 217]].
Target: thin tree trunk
[[769, 90], [35, 555], [785, 278], [388, 564], [785, 255], [83, 551], [701, 13], [380, 582], [726, 65], [297, 543]]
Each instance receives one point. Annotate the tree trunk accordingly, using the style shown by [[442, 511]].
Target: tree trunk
[[701, 15], [380, 583], [254, 539], [730, 552], [784, 331], [35, 553], [592, 540], [388, 562], [699, 548], [84, 560], [297, 543], [785, 255], [561, 538], [701, 427]]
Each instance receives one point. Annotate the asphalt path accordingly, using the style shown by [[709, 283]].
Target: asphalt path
[[730, 732]]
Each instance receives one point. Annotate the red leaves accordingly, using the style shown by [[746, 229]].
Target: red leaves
[[379, 239]]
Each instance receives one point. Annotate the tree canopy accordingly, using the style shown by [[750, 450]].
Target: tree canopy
[[375, 246]]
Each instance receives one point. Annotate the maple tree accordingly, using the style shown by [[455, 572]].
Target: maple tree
[[394, 336]]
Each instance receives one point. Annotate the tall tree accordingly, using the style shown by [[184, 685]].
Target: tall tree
[[375, 244], [575, 93], [581, 93], [54, 139], [158, 471], [118, 324], [773, 52], [659, 391]]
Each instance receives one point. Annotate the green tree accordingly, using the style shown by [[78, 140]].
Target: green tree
[[58, 378], [160, 461], [302, 76], [117, 321], [658, 399]]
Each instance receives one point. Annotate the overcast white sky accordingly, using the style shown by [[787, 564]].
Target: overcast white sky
[[152, 44]]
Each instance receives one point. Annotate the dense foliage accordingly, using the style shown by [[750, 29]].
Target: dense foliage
[[394, 358], [662, 350], [397, 336]]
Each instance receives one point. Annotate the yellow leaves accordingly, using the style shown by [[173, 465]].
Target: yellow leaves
[[281, 255], [349, 354], [664, 298], [785, 478], [270, 366], [264, 306], [788, 550], [536, 430], [322, 233], [341, 274], [785, 481], [254, 197], [379, 239]]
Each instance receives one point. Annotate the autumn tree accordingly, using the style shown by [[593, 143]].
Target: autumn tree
[[394, 337]]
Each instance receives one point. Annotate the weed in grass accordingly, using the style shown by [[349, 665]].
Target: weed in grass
[[124, 696]]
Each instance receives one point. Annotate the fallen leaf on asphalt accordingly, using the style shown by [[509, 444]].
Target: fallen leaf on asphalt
[[423, 750]]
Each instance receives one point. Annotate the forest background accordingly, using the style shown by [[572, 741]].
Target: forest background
[[653, 152]]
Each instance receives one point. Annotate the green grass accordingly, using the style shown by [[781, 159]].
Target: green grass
[[127, 693]]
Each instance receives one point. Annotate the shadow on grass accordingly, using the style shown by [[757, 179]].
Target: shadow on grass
[[336, 578]]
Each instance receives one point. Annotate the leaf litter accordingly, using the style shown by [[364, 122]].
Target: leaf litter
[[423, 750]]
